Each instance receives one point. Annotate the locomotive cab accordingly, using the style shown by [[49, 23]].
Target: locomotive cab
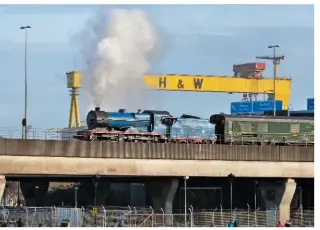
[[168, 120], [156, 124]]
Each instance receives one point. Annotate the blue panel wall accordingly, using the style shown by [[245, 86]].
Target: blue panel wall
[[310, 104], [254, 107]]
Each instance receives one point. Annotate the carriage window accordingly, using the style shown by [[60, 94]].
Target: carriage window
[[263, 127], [295, 128], [230, 125], [245, 127], [157, 120], [309, 126]]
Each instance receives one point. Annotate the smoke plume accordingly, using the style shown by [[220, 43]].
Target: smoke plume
[[118, 45]]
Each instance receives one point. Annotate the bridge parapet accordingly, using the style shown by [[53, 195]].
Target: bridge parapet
[[122, 150]]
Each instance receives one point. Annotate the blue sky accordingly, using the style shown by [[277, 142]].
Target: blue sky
[[196, 39]]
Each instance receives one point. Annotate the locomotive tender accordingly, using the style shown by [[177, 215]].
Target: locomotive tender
[[160, 127], [146, 126]]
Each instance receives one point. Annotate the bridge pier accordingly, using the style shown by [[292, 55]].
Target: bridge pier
[[162, 194], [2, 186], [34, 192], [278, 196]]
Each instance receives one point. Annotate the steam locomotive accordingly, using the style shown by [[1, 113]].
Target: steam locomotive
[[147, 126], [160, 127]]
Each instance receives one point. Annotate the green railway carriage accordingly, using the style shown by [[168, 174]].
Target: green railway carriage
[[263, 130]]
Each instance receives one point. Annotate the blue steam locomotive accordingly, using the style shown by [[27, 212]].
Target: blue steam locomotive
[[146, 126]]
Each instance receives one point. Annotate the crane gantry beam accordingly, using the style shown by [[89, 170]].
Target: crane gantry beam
[[214, 83]]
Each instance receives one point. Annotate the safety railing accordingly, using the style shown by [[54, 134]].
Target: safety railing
[[37, 134], [302, 217], [148, 217], [232, 138]]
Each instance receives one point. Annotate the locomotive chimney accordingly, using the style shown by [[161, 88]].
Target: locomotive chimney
[[97, 108]]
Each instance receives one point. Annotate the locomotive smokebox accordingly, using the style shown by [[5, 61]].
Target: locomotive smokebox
[[97, 109]]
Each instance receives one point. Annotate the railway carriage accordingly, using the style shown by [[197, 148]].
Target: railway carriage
[[263, 130]]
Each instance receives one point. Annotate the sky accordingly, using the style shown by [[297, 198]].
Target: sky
[[195, 39]]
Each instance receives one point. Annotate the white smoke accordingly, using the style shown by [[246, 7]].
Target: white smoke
[[118, 45]]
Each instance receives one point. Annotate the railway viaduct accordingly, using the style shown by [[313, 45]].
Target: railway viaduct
[[165, 163]]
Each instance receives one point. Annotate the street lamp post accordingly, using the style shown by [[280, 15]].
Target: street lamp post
[[76, 187], [24, 120], [255, 194], [274, 76], [18, 200], [231, 178], [185, 200], [76, 197]]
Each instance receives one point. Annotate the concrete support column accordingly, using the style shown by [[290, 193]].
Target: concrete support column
[[284, 207], [278, 196], [34, 192], [162, 194], [2, 186]]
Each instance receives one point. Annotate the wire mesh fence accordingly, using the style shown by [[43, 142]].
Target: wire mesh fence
[[148, 217]]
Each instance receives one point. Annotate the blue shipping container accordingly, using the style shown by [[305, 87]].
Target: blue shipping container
[[254, 107], [310, 104]]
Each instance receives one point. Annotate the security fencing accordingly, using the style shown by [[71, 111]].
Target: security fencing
[[148, 217], [302, 217], [47, 216]]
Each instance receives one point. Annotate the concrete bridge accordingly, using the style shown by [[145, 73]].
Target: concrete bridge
[[39, 157], [172, 161]]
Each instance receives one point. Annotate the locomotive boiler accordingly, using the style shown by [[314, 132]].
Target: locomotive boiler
[[121, 120], [149, 125]]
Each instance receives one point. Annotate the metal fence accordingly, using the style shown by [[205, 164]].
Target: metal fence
[[148, 217], [47, 216], [60, 134], [302, 217], [37, 134]]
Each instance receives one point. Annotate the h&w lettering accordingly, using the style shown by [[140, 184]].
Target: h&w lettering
[[163, 82], [197, 83]]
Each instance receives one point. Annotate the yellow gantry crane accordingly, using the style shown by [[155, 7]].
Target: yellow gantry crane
[[247, 80], [74, 84], [252, 84]]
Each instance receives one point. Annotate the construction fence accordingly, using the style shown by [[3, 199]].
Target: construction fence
[[148, 217]]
